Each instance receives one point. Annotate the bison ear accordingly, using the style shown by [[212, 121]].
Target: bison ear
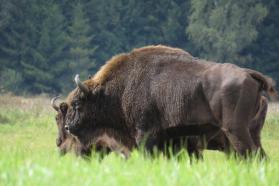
[[63, 107]]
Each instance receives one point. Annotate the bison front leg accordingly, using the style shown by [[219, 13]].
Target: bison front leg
[[151, 139], [255, 133], [195, 146], [148, 139], [140, 135], [173, 145]]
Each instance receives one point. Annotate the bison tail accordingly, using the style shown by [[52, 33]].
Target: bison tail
[[268, 85]]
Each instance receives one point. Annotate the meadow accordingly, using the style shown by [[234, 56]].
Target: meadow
[[28, 156]]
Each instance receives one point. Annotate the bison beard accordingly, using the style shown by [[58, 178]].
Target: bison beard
[[153, 89]]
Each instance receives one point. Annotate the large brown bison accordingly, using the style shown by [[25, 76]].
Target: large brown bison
[[107, 140], [149, 90]]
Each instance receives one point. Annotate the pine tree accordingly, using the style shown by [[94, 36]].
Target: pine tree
[[33, 45], [80, 50], [48, 55], [14, 43], [122, 25], [106, 22], [43, 44]]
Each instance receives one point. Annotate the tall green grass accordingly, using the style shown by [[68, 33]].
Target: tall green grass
[[28, 156]]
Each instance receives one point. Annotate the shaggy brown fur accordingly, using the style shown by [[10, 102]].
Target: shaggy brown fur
[[158, 50], [156, 88], [117, 61], [173, 138], [107, 140], [99, 139], [103, 74]]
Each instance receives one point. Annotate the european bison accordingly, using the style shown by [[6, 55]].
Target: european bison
[[106, 140], [103, 140], [145, 92]]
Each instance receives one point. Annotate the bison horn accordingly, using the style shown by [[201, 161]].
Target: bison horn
[[81, 86], [53, 103]]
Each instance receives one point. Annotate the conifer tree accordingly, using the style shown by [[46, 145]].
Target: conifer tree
[[33, 45], [80, 50], [14, 43], [43, 44], [48, 55]]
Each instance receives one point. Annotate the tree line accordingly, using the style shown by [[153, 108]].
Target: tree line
[[45, 43]]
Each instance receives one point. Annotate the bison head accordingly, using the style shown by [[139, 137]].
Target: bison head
[[82, 111], [82, 144], [63, 139]]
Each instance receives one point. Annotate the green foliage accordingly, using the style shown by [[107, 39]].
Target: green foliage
[[44, 65], [10, 80], [264, 51], [222, 29], [5, 15], [79, 38], [43, 44], [34, 43], [120, 26]]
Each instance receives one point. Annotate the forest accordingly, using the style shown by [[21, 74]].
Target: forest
[[43, 44]]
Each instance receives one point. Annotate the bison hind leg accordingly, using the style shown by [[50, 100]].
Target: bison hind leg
[[239, 103], [256, 126]]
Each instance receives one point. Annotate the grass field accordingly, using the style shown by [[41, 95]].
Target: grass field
[[28, 156]]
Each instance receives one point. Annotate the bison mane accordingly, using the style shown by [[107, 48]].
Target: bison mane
[[116, 61]]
